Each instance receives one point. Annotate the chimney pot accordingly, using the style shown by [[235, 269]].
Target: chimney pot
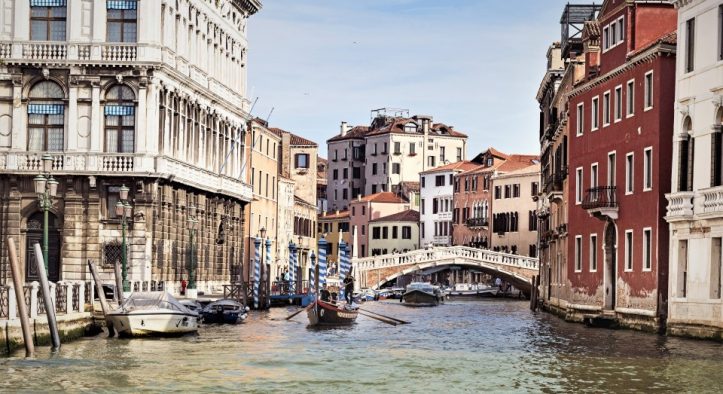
[[344, 128]]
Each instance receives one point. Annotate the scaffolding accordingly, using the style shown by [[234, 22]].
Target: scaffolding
[[573, 20]]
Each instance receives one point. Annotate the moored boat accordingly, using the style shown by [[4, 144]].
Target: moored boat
[[323, 313], [422, 294], [224, 311], [152, 313]]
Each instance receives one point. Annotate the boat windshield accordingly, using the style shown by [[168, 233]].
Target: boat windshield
[[420, 286], [153, 300]]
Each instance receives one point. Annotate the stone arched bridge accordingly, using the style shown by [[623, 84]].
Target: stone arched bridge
[[374, 271]]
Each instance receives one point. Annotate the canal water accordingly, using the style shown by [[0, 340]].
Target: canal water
[[462, 346]]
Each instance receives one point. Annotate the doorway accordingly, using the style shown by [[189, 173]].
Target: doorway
[[35, 235], [611, 261]]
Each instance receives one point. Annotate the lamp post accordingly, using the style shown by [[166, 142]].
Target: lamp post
[[46, 187], [192, 292], [124, 209]]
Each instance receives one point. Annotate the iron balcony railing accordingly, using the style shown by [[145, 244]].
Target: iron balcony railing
[[600, 197], [477, 222]]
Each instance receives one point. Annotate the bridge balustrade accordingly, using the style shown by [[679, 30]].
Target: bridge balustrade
[[440, 253]]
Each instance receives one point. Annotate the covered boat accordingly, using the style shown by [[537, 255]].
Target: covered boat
[[422, 294], [224, 311], [152, 313], [323, 313]]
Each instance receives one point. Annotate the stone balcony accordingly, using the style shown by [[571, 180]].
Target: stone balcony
[[127, 164], [700, 204]]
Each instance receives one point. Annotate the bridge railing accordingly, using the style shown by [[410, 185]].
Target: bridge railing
[[440, 253]]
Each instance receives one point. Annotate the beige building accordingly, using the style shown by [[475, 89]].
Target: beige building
[[331, 226], [395, 233], [284, 225], [262, 214], [514, 217], [395, 148], [365, 209]]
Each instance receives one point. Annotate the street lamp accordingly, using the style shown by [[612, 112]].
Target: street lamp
[[192, 224], [46, 187], [124, 209]]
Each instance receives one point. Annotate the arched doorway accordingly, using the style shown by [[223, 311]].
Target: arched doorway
[[611, 262], [35, 235]]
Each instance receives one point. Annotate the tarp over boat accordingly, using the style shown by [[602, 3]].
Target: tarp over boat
[[153, 300]]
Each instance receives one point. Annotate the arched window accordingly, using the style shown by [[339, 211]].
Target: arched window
[[46, 117], [120, 120], [686, 153]]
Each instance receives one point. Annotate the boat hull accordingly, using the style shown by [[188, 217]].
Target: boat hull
[[132, 324], [324, 314], [421, 298]]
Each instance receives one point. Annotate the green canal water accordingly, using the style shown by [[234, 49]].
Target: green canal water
[[476, 346]]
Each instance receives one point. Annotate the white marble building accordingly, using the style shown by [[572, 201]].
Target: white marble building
[[144, 93], [695, 207]]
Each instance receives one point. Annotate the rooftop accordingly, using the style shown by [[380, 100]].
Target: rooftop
[[460, 166], [383, 197], [405, 216], [334, 215], [295, 139]]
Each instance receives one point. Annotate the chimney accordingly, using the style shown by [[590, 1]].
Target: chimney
[[358, 197], [344, 128]]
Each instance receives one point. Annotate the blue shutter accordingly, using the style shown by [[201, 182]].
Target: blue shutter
[[121, 4], [45, 109], [48, 3], [119, 110]]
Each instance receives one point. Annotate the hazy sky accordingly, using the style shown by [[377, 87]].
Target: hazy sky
[[472, 64]]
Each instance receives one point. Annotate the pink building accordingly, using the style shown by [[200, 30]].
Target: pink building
[[374, 206]]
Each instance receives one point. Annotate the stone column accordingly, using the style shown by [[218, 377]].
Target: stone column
[[19, 134], [72, 129], [96, 119]]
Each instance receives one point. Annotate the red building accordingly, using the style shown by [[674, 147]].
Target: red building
[[621, 124]]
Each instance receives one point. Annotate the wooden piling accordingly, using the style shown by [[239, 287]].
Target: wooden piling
[[20, 297], [49, 305], [101, 296], [118, 283]]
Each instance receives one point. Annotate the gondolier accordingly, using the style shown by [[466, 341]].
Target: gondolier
[[349, 289]]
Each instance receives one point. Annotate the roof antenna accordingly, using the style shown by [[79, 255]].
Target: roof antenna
[[268, 117], [253, 105]]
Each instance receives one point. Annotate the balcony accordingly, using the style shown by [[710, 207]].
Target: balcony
[[477, 222], [601, 202], [680, 206]]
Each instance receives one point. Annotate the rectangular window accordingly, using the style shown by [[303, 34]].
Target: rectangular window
[[396, 168], [621, 29], [535, 186], [593, 175], [690, 45], [421, 206], [595, 113], [630, 110], [578, 253], [649, 90], [356, 172], [459, 154], [374, 149], [376, 233], [122, 22], [629, 171], [715, 268], [618, 103], [385, 232], [593, 252], [397, 148], [412, 149], [628, 250], [498, 192], [508, 191], [716, 152], [606, 38], [439, 180], [345, 193], [406, 232], [395, 232], [335, 174], [612, 158], [648, 169], [606, 109], [48, 20], [516, 190], [301, 160], [374, 168], [441, 154], [578, 186], [384, 150], [430, 161], [580, 118], [647, 249], [682, 274]]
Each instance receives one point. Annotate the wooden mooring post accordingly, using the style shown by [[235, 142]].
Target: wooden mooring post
[[101, 296], [47, 298], [20, 297]]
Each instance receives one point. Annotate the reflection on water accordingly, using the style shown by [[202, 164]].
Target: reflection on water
[[486, 345]]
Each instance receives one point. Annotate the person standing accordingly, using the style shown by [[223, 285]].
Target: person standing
[[349, 289]]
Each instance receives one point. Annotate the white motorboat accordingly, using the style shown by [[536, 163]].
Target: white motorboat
[[422, 294], [152, 313]]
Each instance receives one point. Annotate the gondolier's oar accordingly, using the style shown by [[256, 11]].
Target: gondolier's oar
[[393, 323], [299, 311], [386, 317]]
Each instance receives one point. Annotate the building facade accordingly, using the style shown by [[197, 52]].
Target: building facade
[[515, 185], [365, 209], [334, 227], [395, 233], [694, 210], [285, 225], [621, 127], [472, 213], [116, 98], [322, 203], [395, 148], [437, 203]]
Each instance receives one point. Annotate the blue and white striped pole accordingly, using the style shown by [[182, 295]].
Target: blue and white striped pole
[[267, 273], [342, 268], [292, 268], [322, 262], [257, 271], [312, 274]]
